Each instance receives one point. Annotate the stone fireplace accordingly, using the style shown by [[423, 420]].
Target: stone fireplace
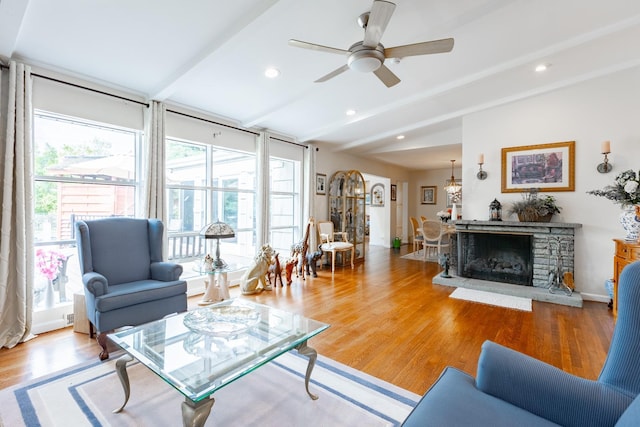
[[512, 257]]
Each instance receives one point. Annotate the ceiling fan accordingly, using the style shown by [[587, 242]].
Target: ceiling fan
[[369, 55]]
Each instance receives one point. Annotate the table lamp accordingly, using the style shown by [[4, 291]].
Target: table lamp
[[217, 230]]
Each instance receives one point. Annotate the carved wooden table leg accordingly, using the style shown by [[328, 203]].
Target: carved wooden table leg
[[195, 414], [121, 369], [309, 352]]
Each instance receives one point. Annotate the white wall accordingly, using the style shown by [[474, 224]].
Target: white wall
[[607, 108]]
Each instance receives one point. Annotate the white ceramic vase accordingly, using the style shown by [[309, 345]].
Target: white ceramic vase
[[49, 295], [631, 223]]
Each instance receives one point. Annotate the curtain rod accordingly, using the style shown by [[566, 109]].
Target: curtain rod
[[124, 98], [211, 121], [290, 142]]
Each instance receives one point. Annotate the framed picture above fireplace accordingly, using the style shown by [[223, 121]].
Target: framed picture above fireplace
[[548, 167]]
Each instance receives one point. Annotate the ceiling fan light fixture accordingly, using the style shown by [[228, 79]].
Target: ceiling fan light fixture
[[365, 61]]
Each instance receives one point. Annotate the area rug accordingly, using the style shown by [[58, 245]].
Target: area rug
[[418, 256], [274, 395], [491, 298]]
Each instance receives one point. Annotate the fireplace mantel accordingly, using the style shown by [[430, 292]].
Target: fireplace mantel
[[517, 226]]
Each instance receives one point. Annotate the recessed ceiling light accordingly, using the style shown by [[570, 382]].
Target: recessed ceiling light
[[271, 72], [350, 112], [400, 137], [541, 68]]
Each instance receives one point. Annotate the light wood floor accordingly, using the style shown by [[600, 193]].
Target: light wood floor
[[387, 320]]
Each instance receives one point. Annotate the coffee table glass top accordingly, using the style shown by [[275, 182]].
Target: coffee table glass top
[[201, 351]]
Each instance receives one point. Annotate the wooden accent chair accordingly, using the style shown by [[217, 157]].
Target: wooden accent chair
[[330, 245]]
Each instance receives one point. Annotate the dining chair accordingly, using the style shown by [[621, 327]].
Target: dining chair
[[434, 238], [417, 235]]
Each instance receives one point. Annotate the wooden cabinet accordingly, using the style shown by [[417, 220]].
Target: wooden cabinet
[[347, 209], [626, 253]]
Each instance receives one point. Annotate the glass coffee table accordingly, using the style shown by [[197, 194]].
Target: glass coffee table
[[200, 351]]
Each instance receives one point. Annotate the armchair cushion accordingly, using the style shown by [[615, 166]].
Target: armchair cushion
[[546, 390], [453, 400]]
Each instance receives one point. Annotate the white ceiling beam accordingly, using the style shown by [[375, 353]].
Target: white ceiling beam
[[168, 86], [12, 13]]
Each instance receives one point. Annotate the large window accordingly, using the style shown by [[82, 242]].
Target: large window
[[83, 170], [284, 203], [206, 184]]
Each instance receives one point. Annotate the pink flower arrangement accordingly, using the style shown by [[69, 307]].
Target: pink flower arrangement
[[48, 262]]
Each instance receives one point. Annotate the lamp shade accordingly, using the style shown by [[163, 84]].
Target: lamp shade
[[217, 230]]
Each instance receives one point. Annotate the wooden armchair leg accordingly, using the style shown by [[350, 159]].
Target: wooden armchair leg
[[102, 340]]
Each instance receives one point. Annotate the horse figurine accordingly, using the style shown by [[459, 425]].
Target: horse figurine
[[276, 270], [311, 261], [254, 279], [288, 268]]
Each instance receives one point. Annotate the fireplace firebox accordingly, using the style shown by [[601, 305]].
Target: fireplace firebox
[[498, 257]]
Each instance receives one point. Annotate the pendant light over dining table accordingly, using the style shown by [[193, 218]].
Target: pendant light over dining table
[[452, 187]]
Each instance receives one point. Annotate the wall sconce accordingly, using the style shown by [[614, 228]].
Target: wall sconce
[[605, 166], [481, 174]]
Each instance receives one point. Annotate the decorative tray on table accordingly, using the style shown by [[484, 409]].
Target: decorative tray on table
[[222, 320]]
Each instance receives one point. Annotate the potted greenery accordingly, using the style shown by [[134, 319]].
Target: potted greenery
[[534, 208]]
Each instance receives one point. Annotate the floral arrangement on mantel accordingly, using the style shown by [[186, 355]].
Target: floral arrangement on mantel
[[49, 262], [625, 190], [444, 215]]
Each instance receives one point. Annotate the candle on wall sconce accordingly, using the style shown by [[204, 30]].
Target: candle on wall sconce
[[481, 174], [605, 166]]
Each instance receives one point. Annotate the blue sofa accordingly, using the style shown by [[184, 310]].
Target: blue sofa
[[126, 282], [512, 389]]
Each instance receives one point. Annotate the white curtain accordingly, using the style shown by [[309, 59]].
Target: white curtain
[[153, 193], [16, 244], [309, 210], [263, 189]]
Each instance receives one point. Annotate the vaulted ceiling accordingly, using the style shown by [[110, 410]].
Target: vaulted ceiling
[[211, 56]]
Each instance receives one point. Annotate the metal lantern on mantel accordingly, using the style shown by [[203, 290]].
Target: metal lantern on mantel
[[495, 210]]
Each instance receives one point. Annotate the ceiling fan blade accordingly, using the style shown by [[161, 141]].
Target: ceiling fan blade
[[379, 17], [386, 76], [319, 47], [424, 48], [332, 74]]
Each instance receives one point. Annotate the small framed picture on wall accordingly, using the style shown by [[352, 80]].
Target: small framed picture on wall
[[321, 184], [428, 195], [393, 192]]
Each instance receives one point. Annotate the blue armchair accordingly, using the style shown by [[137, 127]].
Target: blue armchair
[[126, 283], [514, 389]]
